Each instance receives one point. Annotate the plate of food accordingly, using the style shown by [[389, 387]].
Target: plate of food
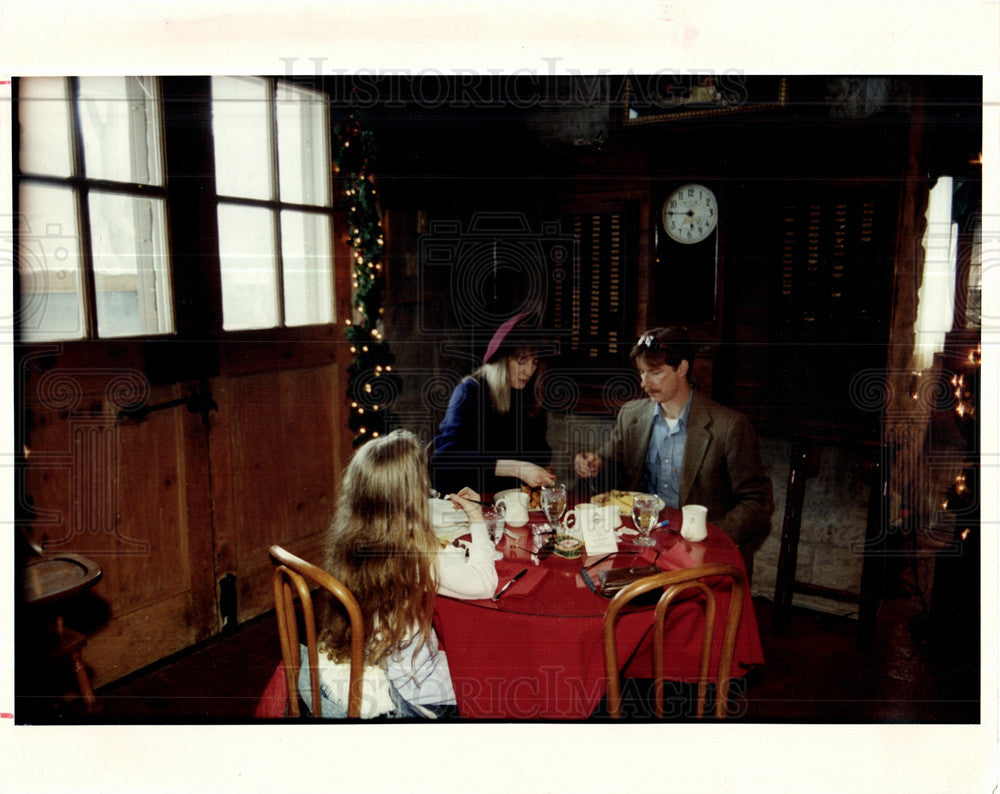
[[621, 499], [447, 535]]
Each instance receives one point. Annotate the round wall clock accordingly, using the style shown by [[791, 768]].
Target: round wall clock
[[690, 214]]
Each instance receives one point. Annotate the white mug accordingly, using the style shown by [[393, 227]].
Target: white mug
[[516, 505], [693, 526], [588, 516]]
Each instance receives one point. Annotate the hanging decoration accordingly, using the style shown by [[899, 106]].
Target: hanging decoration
[[371, 385]]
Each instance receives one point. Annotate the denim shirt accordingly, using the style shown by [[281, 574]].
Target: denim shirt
[[665, 455]]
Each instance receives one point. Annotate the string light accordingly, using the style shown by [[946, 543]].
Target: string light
[[354, 158]]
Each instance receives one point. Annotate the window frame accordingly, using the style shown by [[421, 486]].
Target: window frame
[[81, 187], [190, 202], [276, 206]]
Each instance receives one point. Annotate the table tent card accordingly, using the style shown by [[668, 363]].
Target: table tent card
[[599, 536]]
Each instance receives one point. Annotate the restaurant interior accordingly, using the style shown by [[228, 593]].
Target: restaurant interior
[[176, 418]]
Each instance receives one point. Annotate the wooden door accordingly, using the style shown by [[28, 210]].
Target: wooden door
[[178, 512]]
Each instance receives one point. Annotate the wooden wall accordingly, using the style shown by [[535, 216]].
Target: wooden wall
[[178, 513]]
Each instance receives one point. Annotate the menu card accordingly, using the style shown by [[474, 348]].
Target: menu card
[[599, 538]]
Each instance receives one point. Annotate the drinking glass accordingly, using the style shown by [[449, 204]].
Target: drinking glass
[[645, 512], [494, 518], [553, 501]]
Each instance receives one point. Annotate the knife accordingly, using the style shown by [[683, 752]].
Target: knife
[[513, 579]]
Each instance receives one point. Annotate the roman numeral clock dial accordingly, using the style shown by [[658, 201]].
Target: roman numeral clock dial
[[685, 276]]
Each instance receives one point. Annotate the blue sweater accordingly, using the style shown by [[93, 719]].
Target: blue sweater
[[473, 436]]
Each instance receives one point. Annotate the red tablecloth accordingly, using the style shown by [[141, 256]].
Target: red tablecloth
[[538, 654]]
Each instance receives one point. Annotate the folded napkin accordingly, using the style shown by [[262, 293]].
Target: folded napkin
[[523, 586], [672, 559]]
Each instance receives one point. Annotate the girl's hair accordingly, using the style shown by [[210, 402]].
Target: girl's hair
[[496, 376], [382, 547]]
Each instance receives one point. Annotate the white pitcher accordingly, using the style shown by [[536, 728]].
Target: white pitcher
[[693, 526], [516, 505]]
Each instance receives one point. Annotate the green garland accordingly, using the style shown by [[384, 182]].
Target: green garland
[[371, 386]]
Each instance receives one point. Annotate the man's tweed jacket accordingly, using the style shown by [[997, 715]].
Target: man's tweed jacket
[[722, 466]]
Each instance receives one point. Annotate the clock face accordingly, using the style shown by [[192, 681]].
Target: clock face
[[690, 214]]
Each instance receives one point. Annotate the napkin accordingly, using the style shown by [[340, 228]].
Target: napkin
[[674, 558], [523, 586]]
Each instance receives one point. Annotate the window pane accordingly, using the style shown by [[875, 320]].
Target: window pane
[[43, 112], [49, 265], [303, 148], [248, 263], [307, 268], [119, 119], [242, 132], [131, 265]]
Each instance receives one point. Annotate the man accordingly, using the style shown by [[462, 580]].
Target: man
[[682, 446]]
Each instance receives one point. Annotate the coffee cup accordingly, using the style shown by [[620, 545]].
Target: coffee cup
[[516, 505], [694, 522]]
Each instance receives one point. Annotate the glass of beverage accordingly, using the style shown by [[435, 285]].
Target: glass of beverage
[[494, 518], [553, 502], [645, 512]]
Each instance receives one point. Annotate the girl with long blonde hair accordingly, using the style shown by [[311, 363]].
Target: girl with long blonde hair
[[382, 546]]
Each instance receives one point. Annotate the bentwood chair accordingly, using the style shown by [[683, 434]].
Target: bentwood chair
[[673, 583], [293, 580]]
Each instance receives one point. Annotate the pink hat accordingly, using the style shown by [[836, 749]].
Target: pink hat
[[501, 335]]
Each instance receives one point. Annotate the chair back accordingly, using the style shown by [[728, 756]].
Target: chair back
[[673, 583], [294, 578]]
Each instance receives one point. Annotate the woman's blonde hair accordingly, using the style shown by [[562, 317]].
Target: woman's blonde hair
[[382, 547], [496, 376]]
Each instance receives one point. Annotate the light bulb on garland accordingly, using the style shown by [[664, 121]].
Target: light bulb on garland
[[353, 160]]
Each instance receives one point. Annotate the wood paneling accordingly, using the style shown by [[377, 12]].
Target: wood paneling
[[170, 507], [150, 541], [275, 466]]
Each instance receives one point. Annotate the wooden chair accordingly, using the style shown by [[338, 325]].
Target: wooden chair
[[673, 583], [293, 579]]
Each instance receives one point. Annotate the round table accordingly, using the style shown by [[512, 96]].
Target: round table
[[46, 582], [537, 651]]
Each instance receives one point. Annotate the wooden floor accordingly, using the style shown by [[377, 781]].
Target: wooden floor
[[813, 674]]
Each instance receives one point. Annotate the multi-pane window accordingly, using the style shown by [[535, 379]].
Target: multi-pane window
[[272, 172], [94, 213], [93, 257]]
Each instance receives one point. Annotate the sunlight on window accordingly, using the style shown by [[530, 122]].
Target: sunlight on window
[[303, 144], [49, 265], [131, 278], [305, 243], [250, 161], [43, 113], [121, 129], [117, 119], [249, 289], [936, 297], [242, 136]]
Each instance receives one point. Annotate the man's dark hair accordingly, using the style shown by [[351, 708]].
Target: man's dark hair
[[660, 346]]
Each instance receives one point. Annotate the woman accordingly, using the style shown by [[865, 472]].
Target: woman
[[382, 547], [493, 433]]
